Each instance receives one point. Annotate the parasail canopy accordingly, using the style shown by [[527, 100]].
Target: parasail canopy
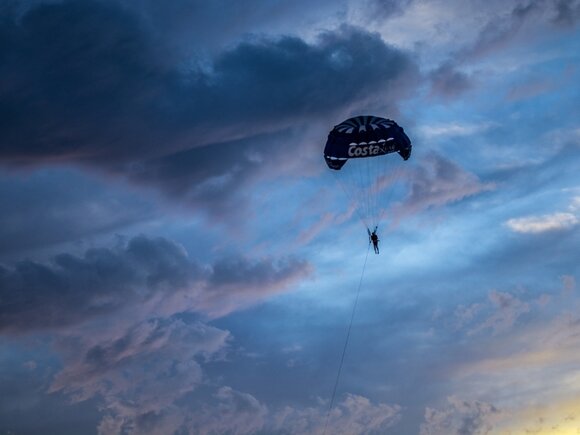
[[365, 137], [366, 154]]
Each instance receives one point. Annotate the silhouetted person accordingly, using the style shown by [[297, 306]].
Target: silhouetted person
[[374, 239]]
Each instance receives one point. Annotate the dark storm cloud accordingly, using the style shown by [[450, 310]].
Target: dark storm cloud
[[85, 81], [269, 78], [153, 274], [88, 82], [80, 80]]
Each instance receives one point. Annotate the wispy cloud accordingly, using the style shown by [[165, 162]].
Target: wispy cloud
[[454, 129], [507, 308], [544, 223], [530, 89], [437, 182]]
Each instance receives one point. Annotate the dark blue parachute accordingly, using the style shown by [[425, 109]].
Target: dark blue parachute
[[371, 179], [365, 137]]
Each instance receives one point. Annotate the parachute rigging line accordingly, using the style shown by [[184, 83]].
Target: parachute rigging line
[[346, 342]]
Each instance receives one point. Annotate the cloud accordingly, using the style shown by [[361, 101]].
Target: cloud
[[521, 22], [454, 129], [544, 223], [567, 12], [466, 314], [498, 33], [506, 310], [234, 412], [380, 10], [323, 222], [499, 313], [156, 351], [460, 32], [575, 204], [530, 89], [525, 363], [354, 414], [448, 82], [91, 78], [209, 26], [145, 376], [437, 182], [118, 97], [49, 206], [125, 325], [153, 275], [140, 374], [237, 283], [460, 417], [214, 178], [130, 95]]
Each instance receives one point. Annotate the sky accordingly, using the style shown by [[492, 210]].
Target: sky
[[176, 258]]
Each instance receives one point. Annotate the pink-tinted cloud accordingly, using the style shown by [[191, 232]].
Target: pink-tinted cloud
[[354, 414], [460, 417], [466, 314], [498, 315], [233, 412], [137, 371], [529, 90], [435, 183], [507, 309], [324, 222]]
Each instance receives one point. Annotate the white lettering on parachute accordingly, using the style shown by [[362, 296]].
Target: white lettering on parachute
[[363, 150]]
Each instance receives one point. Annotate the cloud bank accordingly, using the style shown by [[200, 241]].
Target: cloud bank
[[154, 275]]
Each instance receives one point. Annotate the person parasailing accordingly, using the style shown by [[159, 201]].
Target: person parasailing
[[374, 239]]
